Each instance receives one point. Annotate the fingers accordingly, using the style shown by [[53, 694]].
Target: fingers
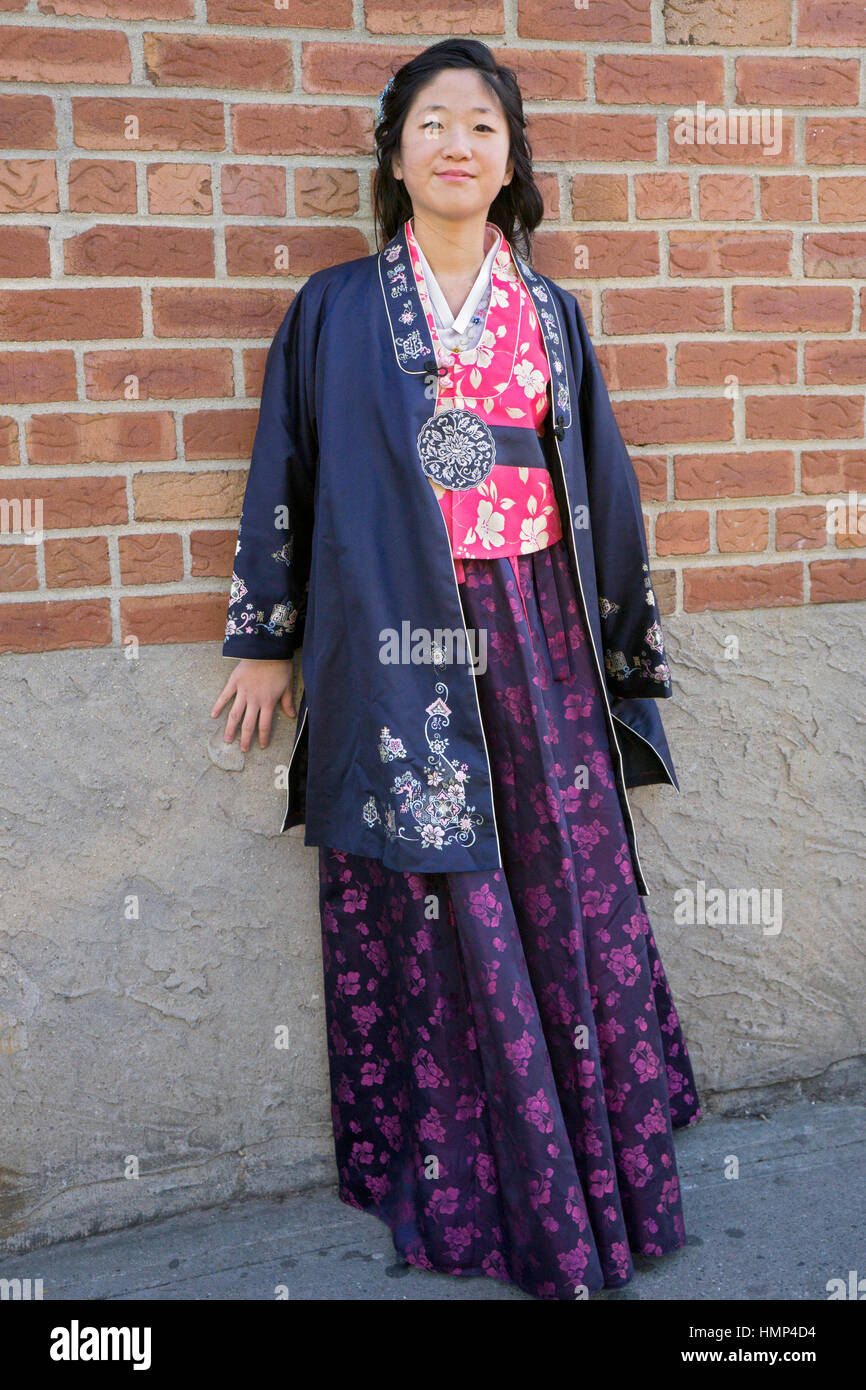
[[248, 728], [248, 711], [234, 717], [265, 718], [225, 694]]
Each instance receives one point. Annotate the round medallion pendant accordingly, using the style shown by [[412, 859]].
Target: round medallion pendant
[[456, 449]]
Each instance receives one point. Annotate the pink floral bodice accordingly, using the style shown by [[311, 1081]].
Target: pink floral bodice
[[503, 379]]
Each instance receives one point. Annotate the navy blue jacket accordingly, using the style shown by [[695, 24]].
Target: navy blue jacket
[[342, 539]]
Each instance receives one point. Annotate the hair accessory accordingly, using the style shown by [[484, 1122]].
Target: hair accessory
[[385, 90]]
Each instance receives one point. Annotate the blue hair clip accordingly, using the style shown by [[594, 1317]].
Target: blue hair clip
[[381, 108]]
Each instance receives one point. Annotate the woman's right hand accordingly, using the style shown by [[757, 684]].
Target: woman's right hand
[[257, 687]]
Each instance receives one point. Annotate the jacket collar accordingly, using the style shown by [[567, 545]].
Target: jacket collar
[[410, 332]]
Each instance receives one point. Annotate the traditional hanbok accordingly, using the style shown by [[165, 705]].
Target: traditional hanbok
[[507, 1066]]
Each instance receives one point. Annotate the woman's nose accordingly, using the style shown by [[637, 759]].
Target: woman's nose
[[454, 144]]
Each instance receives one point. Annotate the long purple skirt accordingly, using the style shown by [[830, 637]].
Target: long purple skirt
[[506, 1063]]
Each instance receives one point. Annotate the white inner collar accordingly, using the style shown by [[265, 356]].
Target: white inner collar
[[475, 295]]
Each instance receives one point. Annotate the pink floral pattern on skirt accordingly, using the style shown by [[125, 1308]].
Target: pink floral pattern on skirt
[[507, 1065]]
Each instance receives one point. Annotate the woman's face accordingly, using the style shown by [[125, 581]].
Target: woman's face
[[455, 138]]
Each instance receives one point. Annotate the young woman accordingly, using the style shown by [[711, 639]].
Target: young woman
[[441, 507]]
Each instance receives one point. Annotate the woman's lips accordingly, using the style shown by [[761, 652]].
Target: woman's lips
[[455, 177]]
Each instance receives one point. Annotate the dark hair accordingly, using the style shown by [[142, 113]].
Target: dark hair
[[518, 207]]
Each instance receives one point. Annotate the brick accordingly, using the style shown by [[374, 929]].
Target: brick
[[801, 81], [835, 254], [212, 553], [758, 24], [607, 253], [837, 581], [290, 250], [315, 14], [134, 250], [726, 197], [742, 529], [835, 140], [179, 190], [683, 533], [658, 78], [726, 588], [664, 584], [801, 528], [543, 74], [219, 434], [743, 473], [122, 437], [158, 618], [599, 198], [633, 366], [593, 138], [10, 452], [841, 199], [548, 187], [253, 190], [148, 123], [832, 470], [661, 195], [758, 362], [102, 186], [24, 252], [28, 185], [839, 363], [831, 23], [327, 192], [390, 17], [214, 312], [629, 20], [285, 129], [254, 370], [31, 315], [157, 373], [150, 557], [166, 9], [211, 495], [786, 198], [686, 309], [29, 116], [74, 561], [791, 308], [18, 568], [67, 502], [42, 53], [849, 522], [350, 69], [743, 139], [706, 253], [213, 60], [804, 417], [675, 421], [29, 377], [652, 476], [55, 625]]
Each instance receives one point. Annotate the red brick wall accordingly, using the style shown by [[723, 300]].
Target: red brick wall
[[172, 170]]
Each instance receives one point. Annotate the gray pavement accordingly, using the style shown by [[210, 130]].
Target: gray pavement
[[791, 1221]]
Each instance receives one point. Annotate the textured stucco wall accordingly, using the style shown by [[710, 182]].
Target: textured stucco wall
[[152, 1035]]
